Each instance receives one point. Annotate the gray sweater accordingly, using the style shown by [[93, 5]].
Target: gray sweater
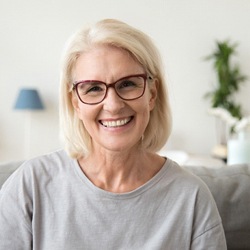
[[49, 204]]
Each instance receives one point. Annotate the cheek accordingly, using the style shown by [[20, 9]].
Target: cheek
[[86, 115], [84, 112]]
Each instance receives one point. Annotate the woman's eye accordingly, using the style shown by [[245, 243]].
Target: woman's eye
[[127, 83], [90, 88], [94, 89]]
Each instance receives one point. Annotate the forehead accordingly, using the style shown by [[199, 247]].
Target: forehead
[[106, 63]]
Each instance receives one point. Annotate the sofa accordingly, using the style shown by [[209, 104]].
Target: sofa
[[230, 187]]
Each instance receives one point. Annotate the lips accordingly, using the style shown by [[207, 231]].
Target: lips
[[116, 123]]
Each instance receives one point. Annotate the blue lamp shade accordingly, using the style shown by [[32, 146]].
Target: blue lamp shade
[[28, 99]]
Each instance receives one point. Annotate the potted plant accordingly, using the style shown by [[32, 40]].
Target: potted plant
[[229, 80]]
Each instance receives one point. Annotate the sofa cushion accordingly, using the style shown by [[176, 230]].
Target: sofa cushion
[[6, 169], [230, 187]]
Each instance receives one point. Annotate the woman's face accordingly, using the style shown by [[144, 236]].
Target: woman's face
[[114, 124]]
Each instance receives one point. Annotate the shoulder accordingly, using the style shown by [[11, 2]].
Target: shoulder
[[188, 189], [184, 178], [39, 168], [56, 158], [53, 162], [195, 198]]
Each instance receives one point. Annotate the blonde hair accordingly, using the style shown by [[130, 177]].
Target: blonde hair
[[114, 33]]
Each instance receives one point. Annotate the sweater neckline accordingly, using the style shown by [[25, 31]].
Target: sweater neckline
[[126, 195]]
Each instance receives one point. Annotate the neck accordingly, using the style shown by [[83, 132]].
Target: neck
[[120, 172]]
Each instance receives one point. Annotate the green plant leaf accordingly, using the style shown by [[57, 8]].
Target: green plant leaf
[[229, 78]]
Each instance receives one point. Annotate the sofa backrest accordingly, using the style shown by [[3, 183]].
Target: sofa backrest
[[230, 187], [6, 169]]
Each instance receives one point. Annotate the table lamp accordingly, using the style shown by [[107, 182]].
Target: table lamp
[[28, 100]]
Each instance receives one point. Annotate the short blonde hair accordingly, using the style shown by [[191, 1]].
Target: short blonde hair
[[114, 33]]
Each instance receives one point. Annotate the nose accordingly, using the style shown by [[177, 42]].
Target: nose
[[112, 102]]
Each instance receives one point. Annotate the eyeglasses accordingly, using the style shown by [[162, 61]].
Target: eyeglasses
[[127, 88]]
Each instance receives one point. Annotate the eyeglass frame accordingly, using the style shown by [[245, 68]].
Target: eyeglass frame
[[111, 85]]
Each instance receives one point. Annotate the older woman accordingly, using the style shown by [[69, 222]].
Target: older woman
[[109, 190]]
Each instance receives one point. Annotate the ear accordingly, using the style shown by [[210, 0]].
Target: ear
[[153, 94], [75, 103]]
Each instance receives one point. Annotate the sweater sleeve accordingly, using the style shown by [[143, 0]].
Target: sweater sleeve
[[212, 239], [208, 233]]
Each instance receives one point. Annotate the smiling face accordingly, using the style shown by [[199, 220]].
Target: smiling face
[[114, 124]]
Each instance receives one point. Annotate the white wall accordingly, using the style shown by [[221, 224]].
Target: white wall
[[33, 33]]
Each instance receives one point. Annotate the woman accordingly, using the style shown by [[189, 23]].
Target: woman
[[110, 190]]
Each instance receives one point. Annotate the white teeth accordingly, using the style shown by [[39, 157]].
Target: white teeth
[[113, 124]]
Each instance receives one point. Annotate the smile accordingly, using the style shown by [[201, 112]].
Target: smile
[[117, 123]]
